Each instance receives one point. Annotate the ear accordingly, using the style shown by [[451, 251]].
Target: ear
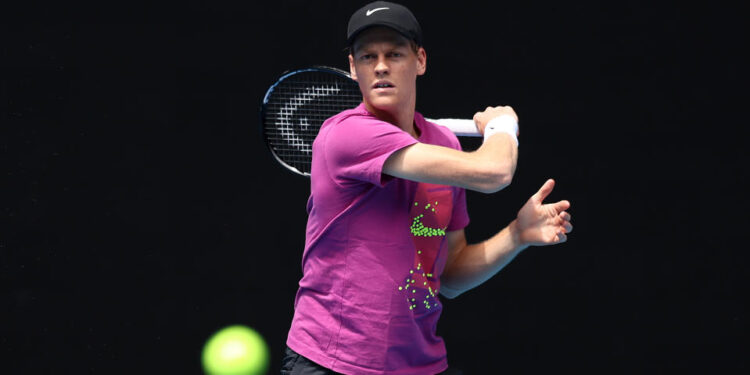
[[352, 71], [421, 61]]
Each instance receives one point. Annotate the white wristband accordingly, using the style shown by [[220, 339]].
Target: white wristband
[[502, 124]]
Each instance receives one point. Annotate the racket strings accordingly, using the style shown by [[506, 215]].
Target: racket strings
[[298, 106]]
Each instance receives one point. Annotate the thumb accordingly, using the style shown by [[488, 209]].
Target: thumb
[[544, 190]]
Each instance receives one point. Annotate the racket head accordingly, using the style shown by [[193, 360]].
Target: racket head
[[295, 107]]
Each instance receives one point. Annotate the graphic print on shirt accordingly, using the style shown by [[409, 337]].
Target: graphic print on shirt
[[431, 213]]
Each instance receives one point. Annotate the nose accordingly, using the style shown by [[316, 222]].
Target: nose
[[381, 67]]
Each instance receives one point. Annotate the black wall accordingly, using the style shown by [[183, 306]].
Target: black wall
[[141, 210]]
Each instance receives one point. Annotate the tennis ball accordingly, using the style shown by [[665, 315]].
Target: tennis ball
[[235, 350]]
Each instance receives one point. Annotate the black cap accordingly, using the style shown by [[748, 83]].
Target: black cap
[[384, 13]]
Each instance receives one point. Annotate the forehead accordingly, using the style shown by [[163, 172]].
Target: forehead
[[379, 34]]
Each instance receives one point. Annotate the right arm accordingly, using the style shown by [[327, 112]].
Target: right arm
[[488, 169]]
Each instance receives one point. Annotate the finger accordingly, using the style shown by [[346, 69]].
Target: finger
[[565, 216], [562, 205], [568, 227], [561, 238], [544, 191]]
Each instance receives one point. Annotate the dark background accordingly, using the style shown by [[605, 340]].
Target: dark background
[[141, 210]]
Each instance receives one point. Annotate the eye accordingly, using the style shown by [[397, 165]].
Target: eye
[[396, 54]]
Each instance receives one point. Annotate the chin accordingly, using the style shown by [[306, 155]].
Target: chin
[[384, 103]]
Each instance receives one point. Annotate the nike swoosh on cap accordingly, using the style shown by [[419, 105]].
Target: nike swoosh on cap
[[371, 11]]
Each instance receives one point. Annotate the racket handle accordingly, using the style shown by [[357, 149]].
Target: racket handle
[[459, 127]]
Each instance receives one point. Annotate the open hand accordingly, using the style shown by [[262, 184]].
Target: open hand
[[543, 224]]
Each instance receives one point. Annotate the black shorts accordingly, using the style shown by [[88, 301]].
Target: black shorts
[[295, 364]]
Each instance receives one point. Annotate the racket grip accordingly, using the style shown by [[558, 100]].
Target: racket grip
[[459, 127]]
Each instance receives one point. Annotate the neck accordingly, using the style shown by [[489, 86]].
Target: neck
[[402, 117]]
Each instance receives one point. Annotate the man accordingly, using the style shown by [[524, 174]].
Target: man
[[387, 213]]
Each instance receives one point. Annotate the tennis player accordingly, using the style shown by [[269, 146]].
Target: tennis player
[[387, 212]]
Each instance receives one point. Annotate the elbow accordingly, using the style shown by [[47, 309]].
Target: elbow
[[500, 182], [450, 287], [496, 177], [449, 293]]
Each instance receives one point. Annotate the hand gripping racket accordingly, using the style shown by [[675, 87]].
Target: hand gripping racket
[[299, 102]]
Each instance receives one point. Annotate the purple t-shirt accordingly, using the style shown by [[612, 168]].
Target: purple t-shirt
[[368, 299]]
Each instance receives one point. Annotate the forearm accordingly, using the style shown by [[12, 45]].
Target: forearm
[[500, 143], [501, 151], [476, 263], [488, 169]]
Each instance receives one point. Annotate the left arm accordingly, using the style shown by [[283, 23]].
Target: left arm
[[536, 224]]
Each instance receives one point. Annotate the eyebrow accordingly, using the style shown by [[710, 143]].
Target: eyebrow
[[395, 40]]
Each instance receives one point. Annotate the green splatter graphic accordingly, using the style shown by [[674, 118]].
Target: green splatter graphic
[[429, 296], [420, 230]]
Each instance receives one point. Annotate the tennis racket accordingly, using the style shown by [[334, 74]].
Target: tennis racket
[[298, 103]]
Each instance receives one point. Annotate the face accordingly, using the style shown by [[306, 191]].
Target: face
[[386, 66]]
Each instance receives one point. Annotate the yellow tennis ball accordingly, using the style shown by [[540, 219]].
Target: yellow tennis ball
[[235, 350]]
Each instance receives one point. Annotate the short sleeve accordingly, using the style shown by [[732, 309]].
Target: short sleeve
[[357, 147], [460, 216]]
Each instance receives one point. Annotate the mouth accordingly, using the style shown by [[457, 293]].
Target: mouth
[[382, 85]]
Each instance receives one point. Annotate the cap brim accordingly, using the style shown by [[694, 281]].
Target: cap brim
[[394, 27]]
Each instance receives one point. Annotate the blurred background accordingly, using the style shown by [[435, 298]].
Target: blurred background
[[141, 211]]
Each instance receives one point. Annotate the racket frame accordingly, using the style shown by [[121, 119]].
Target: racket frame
[[264, 106]]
